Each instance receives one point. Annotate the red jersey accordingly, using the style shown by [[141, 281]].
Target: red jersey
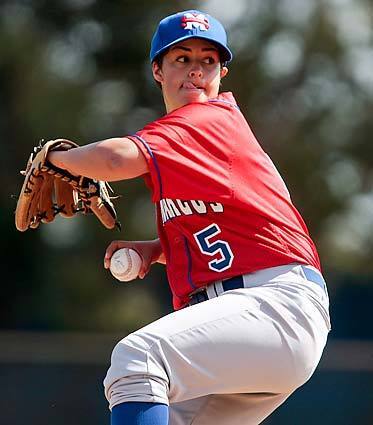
[[222, 207]]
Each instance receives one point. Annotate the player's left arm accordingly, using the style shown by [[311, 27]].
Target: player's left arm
[[108, 160]]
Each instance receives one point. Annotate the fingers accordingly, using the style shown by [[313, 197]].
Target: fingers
[[144, 248], [144, 267], [114, 246], [144, 270]]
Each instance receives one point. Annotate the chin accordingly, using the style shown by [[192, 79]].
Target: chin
[[195, 97]]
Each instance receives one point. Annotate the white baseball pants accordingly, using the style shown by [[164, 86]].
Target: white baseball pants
[[231, 360]]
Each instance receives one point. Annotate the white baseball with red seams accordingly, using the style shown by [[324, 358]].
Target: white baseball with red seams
[[125, 264]]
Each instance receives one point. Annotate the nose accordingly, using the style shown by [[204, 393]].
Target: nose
[[195, 71]]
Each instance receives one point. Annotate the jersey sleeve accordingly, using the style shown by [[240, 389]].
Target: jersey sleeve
[[184, 158]]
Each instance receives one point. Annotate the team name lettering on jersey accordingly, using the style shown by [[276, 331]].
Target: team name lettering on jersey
[[171, 208]]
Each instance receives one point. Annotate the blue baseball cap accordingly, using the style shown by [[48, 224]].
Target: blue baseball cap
[[189, 24]]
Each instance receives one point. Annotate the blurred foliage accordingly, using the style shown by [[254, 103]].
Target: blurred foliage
[[79, 69]]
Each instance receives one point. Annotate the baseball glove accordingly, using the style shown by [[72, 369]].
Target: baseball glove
[[48, 190]]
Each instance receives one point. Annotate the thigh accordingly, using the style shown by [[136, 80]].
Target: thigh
[[224, 409], [256, 340], [245, 341]]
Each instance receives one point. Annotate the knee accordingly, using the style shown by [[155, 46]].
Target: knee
[[128, 357], [137, 372]]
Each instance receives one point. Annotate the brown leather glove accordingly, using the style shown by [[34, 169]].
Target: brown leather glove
[[48, 191]]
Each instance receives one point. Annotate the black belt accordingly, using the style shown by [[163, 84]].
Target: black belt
[[229, 284], [237, 282]]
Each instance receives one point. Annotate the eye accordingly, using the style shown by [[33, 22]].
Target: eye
[[182, 59], [209, 60]]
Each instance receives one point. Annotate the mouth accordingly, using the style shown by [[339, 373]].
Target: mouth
[[188, 85]]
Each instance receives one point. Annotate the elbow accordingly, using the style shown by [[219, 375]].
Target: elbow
[[123, 160], [116, 166], [115, 162]]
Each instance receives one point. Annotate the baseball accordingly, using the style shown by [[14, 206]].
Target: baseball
[[125, 264]]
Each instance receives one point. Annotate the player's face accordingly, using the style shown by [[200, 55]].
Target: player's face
[[190, 72]]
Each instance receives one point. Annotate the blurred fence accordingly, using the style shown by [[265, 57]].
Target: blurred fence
[[56, 378]]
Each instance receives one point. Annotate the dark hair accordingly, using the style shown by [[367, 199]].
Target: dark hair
[[159, 61]]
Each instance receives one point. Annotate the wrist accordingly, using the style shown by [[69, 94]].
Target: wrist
[[59, 159], [157, 256], [56, 159]]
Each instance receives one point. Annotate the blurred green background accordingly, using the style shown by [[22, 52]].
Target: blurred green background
[[79, 69]]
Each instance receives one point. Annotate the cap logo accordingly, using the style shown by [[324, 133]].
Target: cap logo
[[195, 20]]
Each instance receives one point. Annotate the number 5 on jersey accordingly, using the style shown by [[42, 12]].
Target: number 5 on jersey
[[218, 247]]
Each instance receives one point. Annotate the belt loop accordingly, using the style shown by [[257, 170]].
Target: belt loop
[[219, 287], [211, 291]]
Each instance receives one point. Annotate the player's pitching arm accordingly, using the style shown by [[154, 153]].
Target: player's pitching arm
[[150, 251]]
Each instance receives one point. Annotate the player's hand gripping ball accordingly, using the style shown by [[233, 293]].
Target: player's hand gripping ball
[[125, 264]]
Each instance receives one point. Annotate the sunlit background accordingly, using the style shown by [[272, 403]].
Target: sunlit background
[[79, 69]]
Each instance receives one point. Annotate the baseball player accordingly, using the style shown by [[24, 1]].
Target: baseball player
[[251, 307]]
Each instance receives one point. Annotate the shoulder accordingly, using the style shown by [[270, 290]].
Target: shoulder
[[223, 102], [201, 113], [195, 121]]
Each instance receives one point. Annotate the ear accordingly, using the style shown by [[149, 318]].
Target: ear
[[157, 72], [223, 71]]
